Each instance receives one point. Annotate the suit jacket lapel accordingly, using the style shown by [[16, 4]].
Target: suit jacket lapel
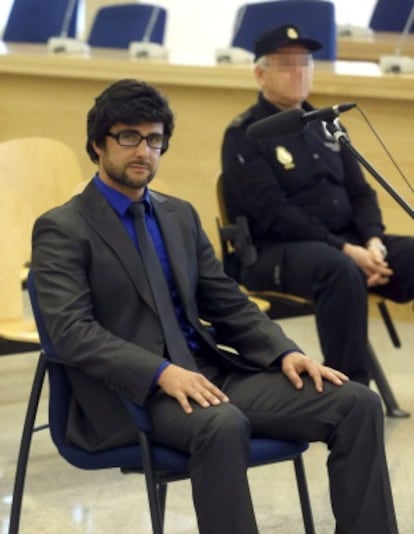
[[105, 222]]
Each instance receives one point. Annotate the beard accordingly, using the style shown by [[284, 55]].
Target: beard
[[121, 176]]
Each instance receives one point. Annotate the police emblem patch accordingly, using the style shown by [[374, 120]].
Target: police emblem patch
[[284, 157]]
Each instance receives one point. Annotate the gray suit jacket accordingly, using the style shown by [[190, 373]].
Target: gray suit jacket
[[102, 322]]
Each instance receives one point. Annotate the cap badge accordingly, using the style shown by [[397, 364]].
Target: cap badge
[[292, 33], [284, 157]]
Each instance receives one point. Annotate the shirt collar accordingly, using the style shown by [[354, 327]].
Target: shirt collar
[[117, 200]]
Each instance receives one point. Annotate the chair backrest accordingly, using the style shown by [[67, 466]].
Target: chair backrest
[[43, 170], [391, 15], [34, 21], [118, 25], [15, 228], [316, 18], [59, 403]]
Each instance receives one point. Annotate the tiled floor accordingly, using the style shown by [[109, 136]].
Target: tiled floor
[[60, 499]]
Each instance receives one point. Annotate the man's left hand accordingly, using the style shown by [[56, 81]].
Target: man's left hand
[[295, 364]]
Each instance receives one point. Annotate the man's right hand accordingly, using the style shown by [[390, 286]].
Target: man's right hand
[[184, 385], [375, 268]]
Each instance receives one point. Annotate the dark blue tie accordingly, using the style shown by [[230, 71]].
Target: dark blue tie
[[177, 347]]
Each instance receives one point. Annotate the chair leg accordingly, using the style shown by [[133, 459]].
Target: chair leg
[[156, 495], [162, 497], [389, 324], [304, 495], [25, 443], [391, 404]]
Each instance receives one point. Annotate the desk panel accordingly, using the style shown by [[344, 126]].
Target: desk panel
[[49, 95], [371, 48]]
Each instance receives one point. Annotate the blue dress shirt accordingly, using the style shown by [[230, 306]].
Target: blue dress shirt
[[120, 203]]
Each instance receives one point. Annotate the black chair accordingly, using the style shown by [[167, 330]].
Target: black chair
[[237, 247], [160, 465]]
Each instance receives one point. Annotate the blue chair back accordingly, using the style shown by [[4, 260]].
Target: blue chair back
[[391, 15], [116, 26], [59, 401], [316, 18], [34, 21]]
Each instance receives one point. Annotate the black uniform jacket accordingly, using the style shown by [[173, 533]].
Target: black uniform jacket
[[98, 310], [297, 187]]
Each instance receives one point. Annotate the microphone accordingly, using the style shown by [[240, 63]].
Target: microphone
[[398, 63], [145, 48], [293, 121], [72, 5], [64, 44], [231, 53]]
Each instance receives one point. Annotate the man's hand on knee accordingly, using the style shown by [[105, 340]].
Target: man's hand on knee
[[296, 363]]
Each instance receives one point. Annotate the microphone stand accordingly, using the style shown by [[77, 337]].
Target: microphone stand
[[344, 140], [393, 409], [62, 44], [68, 18], [146, 48]]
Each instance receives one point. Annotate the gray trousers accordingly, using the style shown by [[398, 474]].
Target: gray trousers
[[348, 419]]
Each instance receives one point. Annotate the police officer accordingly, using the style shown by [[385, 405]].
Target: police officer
[[315, 220]]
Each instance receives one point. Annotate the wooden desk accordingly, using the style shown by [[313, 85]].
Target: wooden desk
[[373, 47], [43, 94]]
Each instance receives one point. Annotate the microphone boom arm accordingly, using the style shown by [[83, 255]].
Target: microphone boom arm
[[344, 140]]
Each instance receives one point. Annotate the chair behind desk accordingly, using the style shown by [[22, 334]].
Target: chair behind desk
[[316, 18], [284, 305], [116, 26], [391, 16], [34, 21]]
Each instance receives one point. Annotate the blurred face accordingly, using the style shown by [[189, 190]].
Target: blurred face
[[129, 169], [285, 77]]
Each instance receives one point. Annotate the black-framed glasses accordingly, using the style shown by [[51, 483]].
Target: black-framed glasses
[[132, 138]]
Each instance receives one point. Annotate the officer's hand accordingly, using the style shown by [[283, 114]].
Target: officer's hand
[[371, 263]]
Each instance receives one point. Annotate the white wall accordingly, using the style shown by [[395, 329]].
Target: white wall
[[196, 27], [5, 6]]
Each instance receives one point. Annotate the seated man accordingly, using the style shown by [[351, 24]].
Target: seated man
[[122, 332], [314, 219]]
